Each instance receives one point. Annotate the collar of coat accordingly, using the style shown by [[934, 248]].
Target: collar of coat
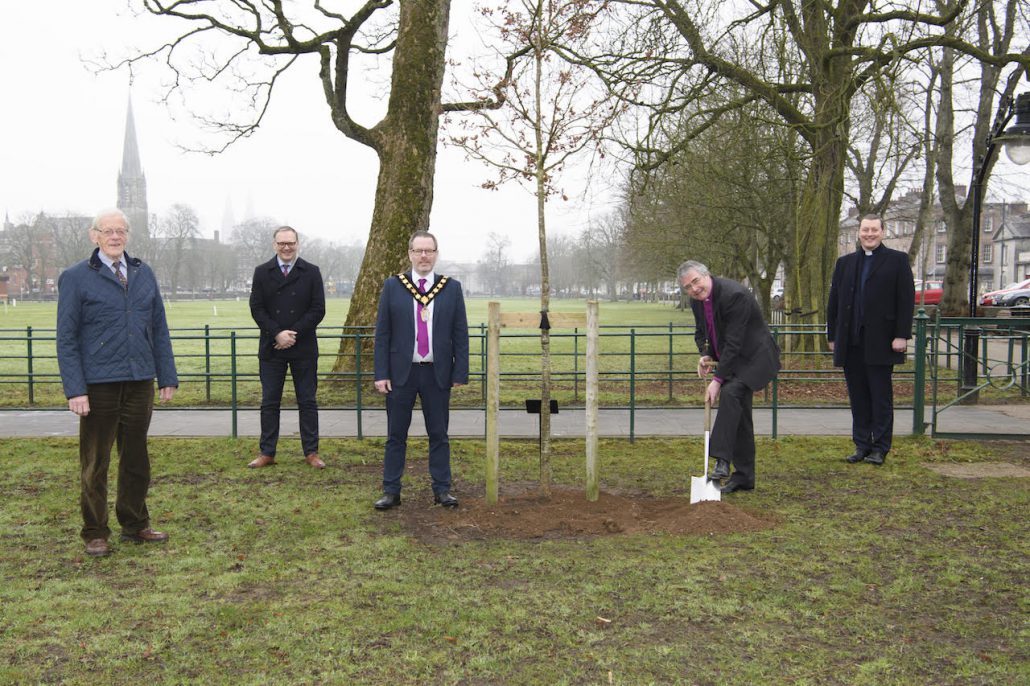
[[274, 264], [96, 263], [424, 298]]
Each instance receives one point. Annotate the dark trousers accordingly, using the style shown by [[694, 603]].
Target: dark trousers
[[733, 435], [119, 413], [305, 386], [435, 411], [872, 402]]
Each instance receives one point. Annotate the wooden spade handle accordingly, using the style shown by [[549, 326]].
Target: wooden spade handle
[[708, 414]]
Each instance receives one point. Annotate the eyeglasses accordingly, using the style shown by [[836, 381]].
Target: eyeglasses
[[107, 233], [286, 244], [693, 283], [417, 251]]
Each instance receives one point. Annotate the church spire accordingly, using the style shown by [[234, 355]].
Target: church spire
[[130, 150], [132, 183]]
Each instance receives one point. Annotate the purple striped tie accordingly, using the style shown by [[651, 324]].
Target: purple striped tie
[[422, 336]]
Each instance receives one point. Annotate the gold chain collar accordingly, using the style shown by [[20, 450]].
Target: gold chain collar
[[424, 298]]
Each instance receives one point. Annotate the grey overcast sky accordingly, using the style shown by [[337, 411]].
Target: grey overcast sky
[[62, 124], [62, 127]]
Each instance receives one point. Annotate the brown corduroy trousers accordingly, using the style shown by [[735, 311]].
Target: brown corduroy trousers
[[119, 413]]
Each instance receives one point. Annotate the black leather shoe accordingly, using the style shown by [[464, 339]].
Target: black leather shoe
[[875, 458], [722, 469], [734, 485], [446, 499], [387, 501], [857, 457]]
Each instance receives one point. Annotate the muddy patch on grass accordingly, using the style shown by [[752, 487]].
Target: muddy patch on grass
[[979, 470], [522, 513]]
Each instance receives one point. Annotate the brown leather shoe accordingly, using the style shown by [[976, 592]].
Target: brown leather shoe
[[261, 461], [315, 461], [98, 547], [146, 536]]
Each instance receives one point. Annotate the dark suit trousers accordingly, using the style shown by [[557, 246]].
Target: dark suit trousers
[[872, 402], [305, 385], [400, 402], [119, 413], [733, 436]]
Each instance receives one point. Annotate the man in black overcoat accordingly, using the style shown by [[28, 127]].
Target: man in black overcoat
[[730, 331], [868, 324], [287, 300]]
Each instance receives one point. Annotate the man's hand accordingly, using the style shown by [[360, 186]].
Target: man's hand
[[456, 384], [830, 344], [165, 394], [704, 366], [384, 386], [79, 405], [712, 391], [285, 339], [899, 345]]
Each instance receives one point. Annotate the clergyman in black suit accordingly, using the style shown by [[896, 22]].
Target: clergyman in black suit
[[730, 331], [868, 324], [287, 300], [421, 349]]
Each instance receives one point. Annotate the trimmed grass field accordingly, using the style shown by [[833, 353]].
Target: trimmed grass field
[[892, 575]]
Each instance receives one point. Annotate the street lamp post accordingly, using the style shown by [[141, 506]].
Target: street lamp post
[[1016, 140]]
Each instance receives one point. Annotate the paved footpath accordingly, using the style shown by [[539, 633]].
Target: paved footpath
[[517, 424]]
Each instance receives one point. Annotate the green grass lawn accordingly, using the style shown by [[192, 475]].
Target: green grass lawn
[[872, 576]]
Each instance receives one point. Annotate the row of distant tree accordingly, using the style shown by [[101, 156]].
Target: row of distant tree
[[590, 263], [185, 262]]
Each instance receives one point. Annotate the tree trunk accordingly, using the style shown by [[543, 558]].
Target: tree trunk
[[818, 226], [545, 277], [406, 144]]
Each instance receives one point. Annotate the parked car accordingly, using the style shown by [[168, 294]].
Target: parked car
[[929, 292], [1013, 298], [991, 298]]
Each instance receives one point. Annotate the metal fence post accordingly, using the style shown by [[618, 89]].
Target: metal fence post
[[632, 384], [232, 384], [207, 361], [482, 360], [919, 392], [670, 362], [575, 364], [28, 345], [357, 379]]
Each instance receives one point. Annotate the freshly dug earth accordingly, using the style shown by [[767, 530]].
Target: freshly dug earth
[[522, 513]]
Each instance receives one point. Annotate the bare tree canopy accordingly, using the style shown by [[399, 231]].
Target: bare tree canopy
[[246, 46], [806, 61]]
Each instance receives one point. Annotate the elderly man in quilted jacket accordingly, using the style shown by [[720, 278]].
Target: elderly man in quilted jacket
[[112, 342]]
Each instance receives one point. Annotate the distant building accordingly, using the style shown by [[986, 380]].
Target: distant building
[[1004, 240], [32, 255], [132, 183]]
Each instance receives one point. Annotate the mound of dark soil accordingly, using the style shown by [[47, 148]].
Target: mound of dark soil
[[522, 513]]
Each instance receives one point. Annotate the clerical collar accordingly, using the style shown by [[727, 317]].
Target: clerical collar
[[870, 253]]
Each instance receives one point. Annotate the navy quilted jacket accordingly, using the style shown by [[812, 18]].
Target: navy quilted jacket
[[105, 333]]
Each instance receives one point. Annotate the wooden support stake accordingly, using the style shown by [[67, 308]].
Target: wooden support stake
[[591, 400], [493, 399]]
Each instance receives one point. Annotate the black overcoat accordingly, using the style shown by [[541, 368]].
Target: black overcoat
[[746, 348], [888, 303], [295, 302]]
